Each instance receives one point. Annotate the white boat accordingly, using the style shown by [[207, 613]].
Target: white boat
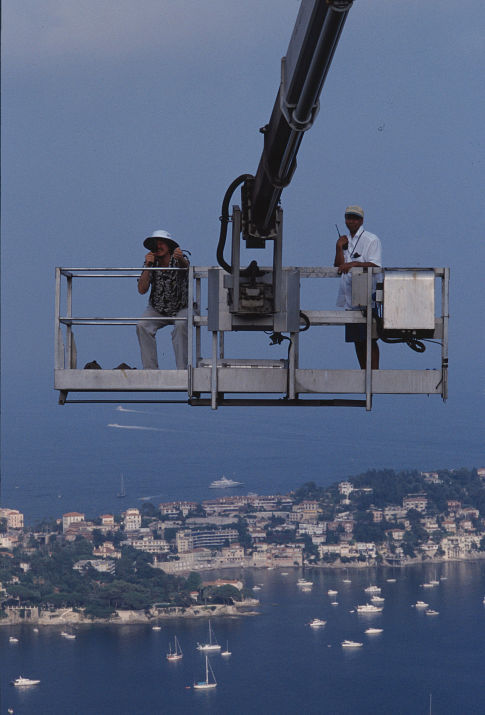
[[317, 623], [13, 639], [373, 631], [226, 652], [69, 636], [22, 682], [303, 583], [156, 628], [372, 589], [207, 683], [351, 644], [212, 645], [421, 604], [427, 585], [377, 599], [391, 580], [431, 612], [176, 653], [36, 630], [334, 603], [346, 580], [331, 592], [224, 483], [256, 588], [369, 608]]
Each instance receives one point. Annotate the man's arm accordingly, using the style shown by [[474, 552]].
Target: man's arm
[[342, 244], [145, 279]]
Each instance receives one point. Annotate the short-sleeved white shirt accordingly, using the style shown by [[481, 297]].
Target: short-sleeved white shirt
[[364, 247]]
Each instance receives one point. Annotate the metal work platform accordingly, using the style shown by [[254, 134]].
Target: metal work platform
[[215, 380]]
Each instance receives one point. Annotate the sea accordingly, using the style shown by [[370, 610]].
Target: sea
[[278, 664]]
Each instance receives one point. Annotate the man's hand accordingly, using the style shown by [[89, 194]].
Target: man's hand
[[177, 254], [343, 243], [345, 267], [150, 259]]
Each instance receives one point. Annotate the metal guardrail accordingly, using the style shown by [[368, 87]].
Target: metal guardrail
[[217, 376]]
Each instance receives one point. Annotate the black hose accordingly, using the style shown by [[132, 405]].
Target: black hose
[[225, 218]]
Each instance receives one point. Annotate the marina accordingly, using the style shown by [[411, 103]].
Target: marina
[[133, 653]]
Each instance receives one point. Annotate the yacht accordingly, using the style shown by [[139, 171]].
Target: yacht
[[373, 631], [369, 608], [373, 589], [69, 636], [212, 645], [210, 678], [431, 612], [176, 653], [351, 644], [377, 599], [226, 653], [156, 628], [428, 585], [13, 639], [421, 604], [302, 583], [21, 682], [317, 623], [391, 580], [224, 483], [331, 592]]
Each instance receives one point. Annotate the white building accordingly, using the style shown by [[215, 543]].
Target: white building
[[15, 519], [72, 517], [132, 519]]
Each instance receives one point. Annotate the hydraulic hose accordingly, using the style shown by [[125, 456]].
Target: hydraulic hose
[[225, 218]]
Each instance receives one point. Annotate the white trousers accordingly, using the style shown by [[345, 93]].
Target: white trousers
[[146, 330]]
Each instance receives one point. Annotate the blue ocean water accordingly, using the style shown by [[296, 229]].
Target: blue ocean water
[[278, 663]]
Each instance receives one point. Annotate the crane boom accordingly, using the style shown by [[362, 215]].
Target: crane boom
[[303, 71]]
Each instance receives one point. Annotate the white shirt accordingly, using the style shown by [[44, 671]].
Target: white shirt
[[364, 247]]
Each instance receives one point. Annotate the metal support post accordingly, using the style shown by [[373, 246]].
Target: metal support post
[[197, 329], [292, 365], [69, 335], [278, 263], [368, 344], [444, 340], [190, 331], [58, 342], [214, 371]]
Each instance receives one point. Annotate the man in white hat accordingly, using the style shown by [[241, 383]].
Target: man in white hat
[[168, 299], [361, 249]]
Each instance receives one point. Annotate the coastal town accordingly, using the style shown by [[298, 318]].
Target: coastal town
[[377, 518]]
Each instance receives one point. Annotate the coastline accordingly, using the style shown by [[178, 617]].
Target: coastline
[[70, 617]]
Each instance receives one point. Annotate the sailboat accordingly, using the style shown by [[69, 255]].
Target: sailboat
[[122, 493], [205, 684], [176, 653], [212, 645], [227, 651]]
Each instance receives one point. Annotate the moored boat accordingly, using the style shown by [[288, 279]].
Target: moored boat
[[317, 623], [373, 631], [210, 678], [351, 644], [421, 604], [368, 608], [176, 653], [212, 645]]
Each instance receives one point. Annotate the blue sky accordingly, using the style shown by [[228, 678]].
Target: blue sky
[[119, 118]]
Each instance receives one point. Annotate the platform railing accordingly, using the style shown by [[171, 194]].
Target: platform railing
[[208, 380]]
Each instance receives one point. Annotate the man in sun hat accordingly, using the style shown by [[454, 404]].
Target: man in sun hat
[[361, 249], [168, 298]]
